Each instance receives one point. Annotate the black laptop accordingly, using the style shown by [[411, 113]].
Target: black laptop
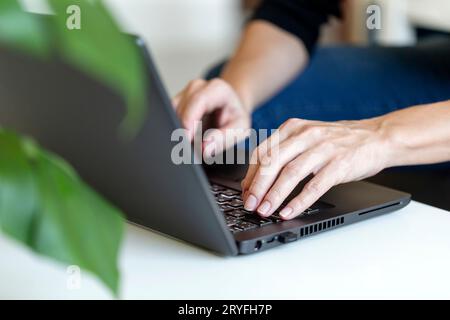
[[78, 118]]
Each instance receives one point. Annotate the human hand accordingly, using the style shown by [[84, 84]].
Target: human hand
[[334, 152], [217, 99]]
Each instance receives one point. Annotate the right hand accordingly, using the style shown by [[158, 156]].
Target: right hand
[[217, 100]]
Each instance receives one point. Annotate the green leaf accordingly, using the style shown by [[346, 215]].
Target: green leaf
[[102, 51], [46, 206], [18, 194], [98, 49], [43, 203], [22, 31]]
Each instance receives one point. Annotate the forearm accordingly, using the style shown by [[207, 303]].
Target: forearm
[[265, 61], [418, 135]]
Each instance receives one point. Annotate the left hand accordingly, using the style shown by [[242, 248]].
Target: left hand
[[334, 152]]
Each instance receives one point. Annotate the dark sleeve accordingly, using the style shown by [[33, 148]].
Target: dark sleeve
[[302, 18]]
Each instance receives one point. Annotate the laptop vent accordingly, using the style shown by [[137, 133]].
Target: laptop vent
[[318, 227]]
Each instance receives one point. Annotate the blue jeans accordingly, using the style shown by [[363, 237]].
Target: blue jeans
[[351, 83]]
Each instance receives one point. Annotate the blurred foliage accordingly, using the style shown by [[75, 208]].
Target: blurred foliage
[[98, 48], [101, 50], [22, 31], [43, 203]]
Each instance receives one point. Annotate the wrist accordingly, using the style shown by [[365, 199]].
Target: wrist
[[391, 148], [246, 100], [244, 95]]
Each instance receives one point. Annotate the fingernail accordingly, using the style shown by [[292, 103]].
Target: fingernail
[[286, 212], [264, 208], [251, 203]]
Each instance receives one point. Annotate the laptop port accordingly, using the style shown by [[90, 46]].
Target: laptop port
[[288, 237], [270, 240], [258, 245]]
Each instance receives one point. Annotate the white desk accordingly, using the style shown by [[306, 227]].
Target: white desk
[[405, 254]]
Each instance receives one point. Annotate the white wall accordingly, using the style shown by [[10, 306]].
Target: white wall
[[185, 36], [430, 13], [399, 17], [397, 29], [179, 22]]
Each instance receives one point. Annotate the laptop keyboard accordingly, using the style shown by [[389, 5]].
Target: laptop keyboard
[[237, 218]]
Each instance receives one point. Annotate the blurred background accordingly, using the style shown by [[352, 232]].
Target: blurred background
[[187, 36]]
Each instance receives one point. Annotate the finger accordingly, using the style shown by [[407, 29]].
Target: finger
[[279, 136], [225, 137], [205, 100], [184, 96], [313, 190], [291, 175], [262, 175], [176, 100], [269, 146], [255, 159], [269, 169]]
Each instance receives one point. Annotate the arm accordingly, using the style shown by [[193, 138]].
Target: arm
[[267, 58], [265, 52], [418, 135], [340, 152], [275, 46]]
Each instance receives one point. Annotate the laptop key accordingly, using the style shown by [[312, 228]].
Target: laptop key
[[246, 225], [226, 208], [221, 198], [310, 211], [236, 203], [275, 218], [253, 218], [216, 187], [236, 213], [231, 221], [239, 219], [230, 193], [235, 229]]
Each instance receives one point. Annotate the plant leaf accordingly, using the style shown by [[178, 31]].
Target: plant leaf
[[102, 51], [18, 194], [64, 218], [22, 31]]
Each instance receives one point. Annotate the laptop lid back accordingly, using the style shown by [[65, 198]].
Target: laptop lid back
[[78, 118]]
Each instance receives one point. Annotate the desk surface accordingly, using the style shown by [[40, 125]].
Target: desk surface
[[405, 254]]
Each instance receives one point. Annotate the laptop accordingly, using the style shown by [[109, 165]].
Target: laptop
[[78, 118]]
